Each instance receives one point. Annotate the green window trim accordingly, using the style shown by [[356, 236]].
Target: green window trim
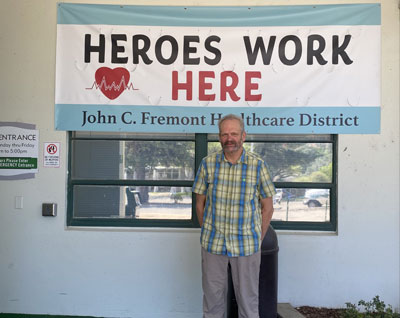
[[200, 145]]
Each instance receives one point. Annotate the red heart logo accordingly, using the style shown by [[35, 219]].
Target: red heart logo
[[112, 82]]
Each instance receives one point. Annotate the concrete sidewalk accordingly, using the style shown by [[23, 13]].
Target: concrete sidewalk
[[286, 310]]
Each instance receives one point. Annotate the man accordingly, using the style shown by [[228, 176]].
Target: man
[[234, 207]]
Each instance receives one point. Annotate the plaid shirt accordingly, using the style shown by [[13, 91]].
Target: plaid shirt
[[232, 214]]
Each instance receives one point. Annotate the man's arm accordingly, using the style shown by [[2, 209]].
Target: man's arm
[[267, 209], [200, 204]]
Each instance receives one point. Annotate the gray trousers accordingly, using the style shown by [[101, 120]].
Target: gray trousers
[[245, 277]]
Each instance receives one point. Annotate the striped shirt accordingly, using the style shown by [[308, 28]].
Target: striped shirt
[[232, 214]]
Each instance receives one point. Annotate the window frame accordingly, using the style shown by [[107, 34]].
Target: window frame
[[124, 222], [330, 226], [201, 141]]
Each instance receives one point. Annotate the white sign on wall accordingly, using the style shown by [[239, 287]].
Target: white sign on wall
[[51, 155], [18, 150]]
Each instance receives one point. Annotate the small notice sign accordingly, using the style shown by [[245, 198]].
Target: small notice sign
[[51, 157], [18, 150]]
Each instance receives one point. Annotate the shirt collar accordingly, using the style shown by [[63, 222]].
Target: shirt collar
[[242, 159]]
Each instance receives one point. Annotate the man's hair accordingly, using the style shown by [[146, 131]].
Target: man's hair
[[231, 117]]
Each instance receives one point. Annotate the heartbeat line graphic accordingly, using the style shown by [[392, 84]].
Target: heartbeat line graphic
[[113, 86], [112, 82]]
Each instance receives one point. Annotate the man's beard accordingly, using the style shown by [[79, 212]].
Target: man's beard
[[231, 146]]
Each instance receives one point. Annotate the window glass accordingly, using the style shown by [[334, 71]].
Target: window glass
[[167, 203], [143, 202], [281, 138], [292, 162], [159, 160], [138, 160], [300, 163], [298, 204], [129, 135], [297, 162]]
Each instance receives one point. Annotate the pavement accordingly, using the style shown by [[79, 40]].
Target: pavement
[[286, 310]]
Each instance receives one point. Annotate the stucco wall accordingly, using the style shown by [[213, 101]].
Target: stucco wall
[[47, 268]]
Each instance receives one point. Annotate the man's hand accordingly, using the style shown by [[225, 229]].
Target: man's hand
[[267, 209], [200, 204]]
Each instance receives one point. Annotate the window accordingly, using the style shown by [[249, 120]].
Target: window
[[131, 180], [303, 168], [145, 179]]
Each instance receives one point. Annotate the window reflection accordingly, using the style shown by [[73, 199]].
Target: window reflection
[[133, 160], [155, 202], [310, 205]]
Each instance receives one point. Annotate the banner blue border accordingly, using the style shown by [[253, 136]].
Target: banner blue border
[[298, 15], [258, 120]]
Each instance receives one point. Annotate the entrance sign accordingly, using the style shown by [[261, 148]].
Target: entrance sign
[[18, 151], [284, 69]]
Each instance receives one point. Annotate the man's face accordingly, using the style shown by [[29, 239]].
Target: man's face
[[231, 136]]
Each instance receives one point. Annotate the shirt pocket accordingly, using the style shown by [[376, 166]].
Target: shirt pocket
[[250, 190]]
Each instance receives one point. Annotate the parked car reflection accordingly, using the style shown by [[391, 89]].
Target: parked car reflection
[[313, 197]]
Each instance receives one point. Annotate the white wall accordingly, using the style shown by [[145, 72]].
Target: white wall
[[46, 268]]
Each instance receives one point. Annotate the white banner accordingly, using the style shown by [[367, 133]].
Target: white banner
[[195, 71]]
